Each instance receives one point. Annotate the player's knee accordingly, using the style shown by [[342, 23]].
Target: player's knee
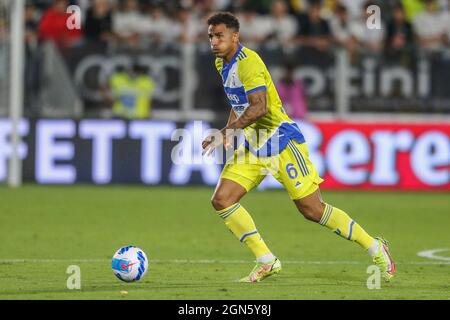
[[309, 214], [220, 201], [312, 212]]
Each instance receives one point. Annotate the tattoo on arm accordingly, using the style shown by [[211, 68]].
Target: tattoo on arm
[[256, 110]]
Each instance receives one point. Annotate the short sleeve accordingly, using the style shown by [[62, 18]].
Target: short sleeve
[[251, 73]]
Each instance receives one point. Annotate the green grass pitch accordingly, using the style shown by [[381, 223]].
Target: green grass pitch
[[192, 255]]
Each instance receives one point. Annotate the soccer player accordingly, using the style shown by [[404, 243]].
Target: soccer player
[[281, 151]]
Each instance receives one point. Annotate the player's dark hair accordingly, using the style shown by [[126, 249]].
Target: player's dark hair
[[226, 18]]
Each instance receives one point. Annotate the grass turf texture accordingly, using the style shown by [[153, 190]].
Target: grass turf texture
[[46, 229]]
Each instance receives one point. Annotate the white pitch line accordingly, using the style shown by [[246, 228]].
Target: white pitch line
[[205, 261], [431, 254]]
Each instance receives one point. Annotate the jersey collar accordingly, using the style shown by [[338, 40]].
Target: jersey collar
[[233, 59], [226, 67]]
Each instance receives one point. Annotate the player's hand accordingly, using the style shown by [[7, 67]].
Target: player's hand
[[211, 142], [227, 138]]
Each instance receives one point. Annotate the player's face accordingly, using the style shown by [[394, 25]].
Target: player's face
[[223, 40]]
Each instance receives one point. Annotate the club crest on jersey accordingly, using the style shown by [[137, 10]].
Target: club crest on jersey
[[233, 79]]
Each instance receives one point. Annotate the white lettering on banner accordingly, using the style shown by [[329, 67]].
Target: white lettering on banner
[[48, 151], [370, 70], [187, 156], [345, 150], [424, 80], [430, 158], [102, 133], [152, 134], [369, 79], [5, 145], [386, 145], [350, 155], [395, 75], [315, 77]]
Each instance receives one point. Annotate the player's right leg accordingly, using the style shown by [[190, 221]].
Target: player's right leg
[[301, 179], [236, 180], [337, 220]]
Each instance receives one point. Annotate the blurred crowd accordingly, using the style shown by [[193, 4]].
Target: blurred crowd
[[395, 30], [405, 24]]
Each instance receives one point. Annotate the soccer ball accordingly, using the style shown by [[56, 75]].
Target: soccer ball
[[129, 264]]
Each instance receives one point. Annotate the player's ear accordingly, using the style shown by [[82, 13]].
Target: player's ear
[[236, 36]]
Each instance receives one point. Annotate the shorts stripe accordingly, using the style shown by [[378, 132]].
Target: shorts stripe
[[302, 169], [227, 213], [298, 158], [301, 157]]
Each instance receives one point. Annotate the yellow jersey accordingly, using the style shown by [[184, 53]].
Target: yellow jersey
[[247, 73]]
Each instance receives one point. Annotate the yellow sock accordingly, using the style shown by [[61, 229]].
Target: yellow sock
[[338, 221], [239, 221]]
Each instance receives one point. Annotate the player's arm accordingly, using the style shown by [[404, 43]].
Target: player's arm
[[251, 74], [232, 117], [206, 144], [257, 109]]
